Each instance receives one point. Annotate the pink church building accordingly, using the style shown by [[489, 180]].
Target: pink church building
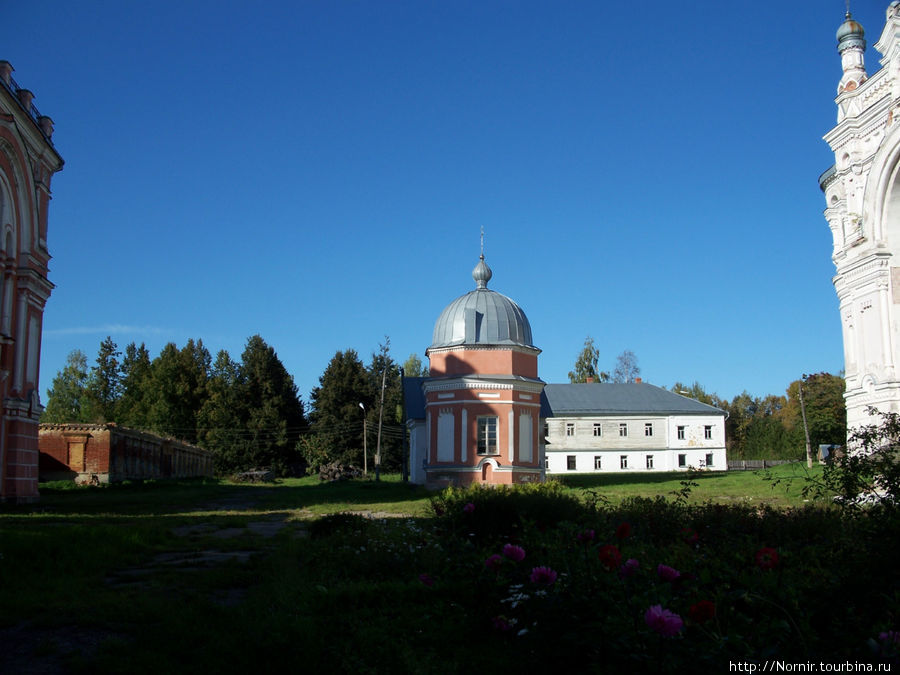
[[28, 160], [476, 416]]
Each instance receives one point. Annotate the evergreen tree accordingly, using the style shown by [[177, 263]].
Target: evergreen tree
[[274, 413], [104, 385], [222, 419], [336, 416], [133, 407], [67, 396], [177, 389]]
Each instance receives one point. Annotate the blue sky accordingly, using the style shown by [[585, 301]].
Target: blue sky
[[318, 172]]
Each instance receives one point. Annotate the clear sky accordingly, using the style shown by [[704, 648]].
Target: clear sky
[[318, 172]]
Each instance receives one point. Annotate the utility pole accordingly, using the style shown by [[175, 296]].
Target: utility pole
[[805, 427], [380, 415], [365, 458]]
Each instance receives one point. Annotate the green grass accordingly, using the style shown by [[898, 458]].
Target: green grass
[[721, 487], [95, 579]]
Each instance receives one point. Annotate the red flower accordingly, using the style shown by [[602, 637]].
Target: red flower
[[610, 557], [689, 535], [702, 611], [767, 558], [623, 531]]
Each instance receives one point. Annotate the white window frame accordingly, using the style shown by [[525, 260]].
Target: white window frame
[[486, 444], [648, 428], [623, 461], [623, 429], [571, 462], [707, 431], [598, 429], [570, 428], [649, 462], [679, 431], [598, 462]]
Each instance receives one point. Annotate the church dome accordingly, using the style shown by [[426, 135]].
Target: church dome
[[482, 317], [850, 34]]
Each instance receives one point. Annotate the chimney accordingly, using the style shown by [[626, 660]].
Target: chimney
[[589, 379], [637, 380], [6, 70]]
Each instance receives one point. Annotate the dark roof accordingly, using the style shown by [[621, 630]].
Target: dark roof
[[560, 400], [414, 398]]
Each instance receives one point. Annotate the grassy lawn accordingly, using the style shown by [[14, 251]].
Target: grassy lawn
[[211, 576], [779, 487]]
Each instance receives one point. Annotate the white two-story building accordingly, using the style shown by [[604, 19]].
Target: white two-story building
[[604, 427]]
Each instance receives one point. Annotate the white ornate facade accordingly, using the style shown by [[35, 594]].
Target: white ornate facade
[[862, 193]]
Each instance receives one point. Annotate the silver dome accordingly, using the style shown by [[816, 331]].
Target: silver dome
[[482, 317]]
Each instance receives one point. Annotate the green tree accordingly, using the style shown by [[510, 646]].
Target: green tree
[[586, 365], [177, 389], [336, 417], [413, 367], [383, 371], [275, 418], [222, 418], [67, 396], [104, 385], [826, 412], [697, 392], [133, 406], [627, 369]]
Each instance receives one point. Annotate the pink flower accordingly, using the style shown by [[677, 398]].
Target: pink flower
[[767, 558], [889, 637], [609, 556], [585, 537], [494, 562], [664, 622], [469, 508], [623, 531], [543, 576], [513, 552], [629, 568], [426, 579], [667, 573]]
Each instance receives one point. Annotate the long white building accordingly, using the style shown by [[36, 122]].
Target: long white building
[[603, 427]]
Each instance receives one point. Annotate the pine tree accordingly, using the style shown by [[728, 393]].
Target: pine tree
[[383, 371], [336, 416], [67, 396], [104, 385], [274, 413], [133, 406], [223, 417], [177, 389]]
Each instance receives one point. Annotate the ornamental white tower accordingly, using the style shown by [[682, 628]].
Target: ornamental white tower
[[862, 193]]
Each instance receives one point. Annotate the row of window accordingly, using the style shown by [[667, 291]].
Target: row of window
[[571, 462], [623, 430]]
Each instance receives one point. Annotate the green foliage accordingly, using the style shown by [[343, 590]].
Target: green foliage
[[413, 367], [336, 416], [104, 386], [868, 475], [586, 364], [66, 398], [132, 408], [177, 389]]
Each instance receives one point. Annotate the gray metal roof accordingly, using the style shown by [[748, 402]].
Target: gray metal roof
[[598, 398], [604, 398], [482, 317]]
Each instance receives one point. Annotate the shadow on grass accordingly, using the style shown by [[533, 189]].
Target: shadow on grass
[[586, 481], [174, 496]]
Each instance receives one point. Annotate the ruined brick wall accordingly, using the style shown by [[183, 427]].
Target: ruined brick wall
[[109, 453]]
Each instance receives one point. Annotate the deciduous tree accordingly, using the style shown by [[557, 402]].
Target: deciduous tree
[[67, 396], [626, 369]]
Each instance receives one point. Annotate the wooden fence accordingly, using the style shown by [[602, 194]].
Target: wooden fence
[[756, 464]]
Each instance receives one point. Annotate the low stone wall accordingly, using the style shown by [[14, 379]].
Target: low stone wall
[[103, 453]]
